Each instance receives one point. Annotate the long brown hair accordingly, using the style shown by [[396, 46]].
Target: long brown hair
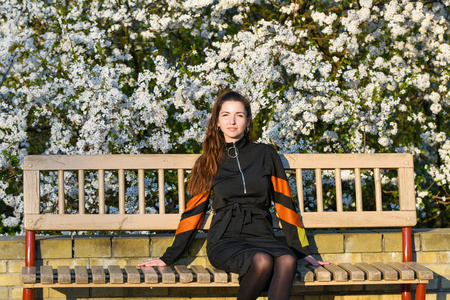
[[207, 164]]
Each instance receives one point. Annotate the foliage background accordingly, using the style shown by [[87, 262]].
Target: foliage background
[[139, 76]]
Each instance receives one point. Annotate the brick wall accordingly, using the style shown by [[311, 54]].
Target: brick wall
[[431, 248]]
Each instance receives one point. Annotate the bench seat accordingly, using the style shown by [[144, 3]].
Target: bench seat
[[199, 276]]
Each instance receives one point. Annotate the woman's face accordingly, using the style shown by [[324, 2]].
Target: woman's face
[[233, 120]]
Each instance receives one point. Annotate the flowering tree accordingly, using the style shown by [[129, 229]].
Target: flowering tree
[[139, 76]]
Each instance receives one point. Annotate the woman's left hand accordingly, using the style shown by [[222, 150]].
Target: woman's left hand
[[312, 261]]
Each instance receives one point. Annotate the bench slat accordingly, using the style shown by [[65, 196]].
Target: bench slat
[[29, 275], [203, 275], [168, 276], [115, 274], [81, 275], [98, 274], [405, 272], [322, 274], [355, 273], [339, 274], [220, 276], [421, 271], [305, 274], [372, 273], [46, 274], [133, 275], [64, 275], [184, 274], [388, 272], [150, 275]]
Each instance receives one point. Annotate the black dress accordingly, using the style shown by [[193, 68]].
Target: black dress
[[249, 178]]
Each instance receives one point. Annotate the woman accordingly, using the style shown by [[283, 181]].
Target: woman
[[244, 177]]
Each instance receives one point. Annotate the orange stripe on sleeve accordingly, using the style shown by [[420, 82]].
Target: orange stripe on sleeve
[[288, 215], [281, 186], [198, 199], [190, 223]]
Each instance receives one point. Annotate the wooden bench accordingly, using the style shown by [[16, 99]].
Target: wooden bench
[[312, 169]]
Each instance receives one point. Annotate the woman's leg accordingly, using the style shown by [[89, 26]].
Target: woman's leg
[[283, 276], [257, 277]]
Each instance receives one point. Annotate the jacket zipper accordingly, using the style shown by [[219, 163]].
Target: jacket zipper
[[236, 151]]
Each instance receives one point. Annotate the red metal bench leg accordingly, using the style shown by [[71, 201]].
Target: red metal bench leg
[[406, 292], [421, 290], [28, 294]]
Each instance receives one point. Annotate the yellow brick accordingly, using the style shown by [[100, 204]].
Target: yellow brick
[[136, 246], [444, 257], [440, 269], [198, 248], [392, 241], [446, 283], [427, 257], [16, 293], [435, 240], [344, 288], [11, 280], [382, 257], [360, 297], [327, 243], [15, 266], [3, 266], [429, 296], [202, 261], [363, 242], [159, 245], [92, 246], [122, 262], [12, 247], [54, 247], [68, 293], [320, 297], [391, 297], [55, 263], [4, 293], [383, 288], [343, 258], [189, 292], [224, 292]]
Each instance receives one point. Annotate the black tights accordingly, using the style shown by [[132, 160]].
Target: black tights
[[278, 272]]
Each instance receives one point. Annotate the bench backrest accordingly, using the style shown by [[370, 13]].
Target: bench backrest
[[316, 171]]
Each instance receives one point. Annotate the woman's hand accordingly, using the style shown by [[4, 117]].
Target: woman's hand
[[152, 263], [312, 261]]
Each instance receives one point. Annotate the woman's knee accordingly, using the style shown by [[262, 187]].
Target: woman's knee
[[287, 261], [262, 261]]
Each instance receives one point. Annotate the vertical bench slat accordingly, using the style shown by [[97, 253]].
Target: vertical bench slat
[[64, 276], [168, 276], [406, 188], [81, 196], [372, 273], [388, 272], [404, 271], [31, 192], [150, 275], [299, 179], [101, 192], [338, 183], [220, 276], [121, 191], [184, 274], [355, 273], [319, 190], [339, 274], [133, 275], [378, 196], [115, 274], [162, 200], [81, 275], [61, 200], [181, 192], [203, 275], [141, 184], [98, 275], [358, 190]]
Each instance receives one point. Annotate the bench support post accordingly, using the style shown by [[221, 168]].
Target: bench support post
[[421, 291], [28, 294], [407, 256]]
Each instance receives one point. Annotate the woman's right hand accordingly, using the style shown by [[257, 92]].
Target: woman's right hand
[[152, 263]]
